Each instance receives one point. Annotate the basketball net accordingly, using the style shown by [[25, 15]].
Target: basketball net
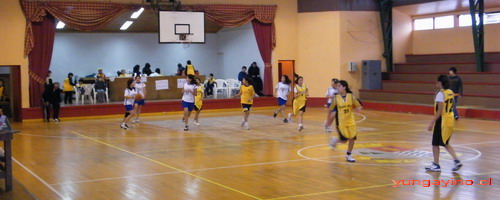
[[185, 41]]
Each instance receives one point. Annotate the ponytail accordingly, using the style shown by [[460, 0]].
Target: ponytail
[[346, 85]]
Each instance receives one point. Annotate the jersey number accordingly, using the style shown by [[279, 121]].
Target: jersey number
[[449, 103]]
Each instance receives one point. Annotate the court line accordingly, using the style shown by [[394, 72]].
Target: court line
[[460, 129], [192, 170], [168, 166], [40, 179], [332, 191], [491, 142]]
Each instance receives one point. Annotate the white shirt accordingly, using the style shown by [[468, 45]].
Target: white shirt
[[295, 88], [331, 92], [129, 93], [439, 97], [188, 93], [140, 87], [155, 74], [283, 90]]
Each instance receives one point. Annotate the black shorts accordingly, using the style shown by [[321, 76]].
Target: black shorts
[[246, 107], [437, 136], [197, 109], [303, 109]]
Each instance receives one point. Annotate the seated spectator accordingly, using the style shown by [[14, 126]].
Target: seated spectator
[[100, 88], [242, 74], [100, 74], [209, 88], [156, 73], [180, 70], [147, 69], [123, 73]]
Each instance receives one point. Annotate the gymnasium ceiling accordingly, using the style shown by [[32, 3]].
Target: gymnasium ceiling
[[442, 6], [147, 22]]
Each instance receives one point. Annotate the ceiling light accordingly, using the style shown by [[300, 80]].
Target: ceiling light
[[60, 25], [136, 14], [126, 25]]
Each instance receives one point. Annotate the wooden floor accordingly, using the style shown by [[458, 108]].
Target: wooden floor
[[95, 159]]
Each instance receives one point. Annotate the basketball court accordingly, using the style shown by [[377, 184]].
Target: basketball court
[[92, 159]]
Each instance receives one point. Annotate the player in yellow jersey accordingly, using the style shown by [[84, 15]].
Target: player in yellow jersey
[[189, 69], [443, 123], [301, 92], [247, 94], [345, 102], [198, 101]]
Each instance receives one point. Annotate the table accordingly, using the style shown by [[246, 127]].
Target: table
[[6, 159], [117, 88]]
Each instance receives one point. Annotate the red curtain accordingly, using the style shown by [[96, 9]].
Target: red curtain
[[264, 36], [40, 56]]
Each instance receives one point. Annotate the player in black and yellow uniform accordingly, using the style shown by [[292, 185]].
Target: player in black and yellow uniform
[[344, 102], [301, 92], [247, 94], [443, 123], [198, 101]]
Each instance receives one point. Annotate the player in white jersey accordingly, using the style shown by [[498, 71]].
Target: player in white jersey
[[330, 114], [188, 98], [140, 87], [282, 90], [129, 96]]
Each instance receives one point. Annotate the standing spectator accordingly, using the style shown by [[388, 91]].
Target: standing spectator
[[48, 80], [209, 89], [254, 73], [147, 69], [46, 98], [100, 88], [156, 73], [457, 88], [242, 74], [3, 97], [137, 71], [189, 69], [52, 101], [180, 70], [100, 74], [68, 89]]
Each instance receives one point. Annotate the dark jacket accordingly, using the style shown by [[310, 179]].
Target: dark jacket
[[241, 75], [254, 71], [100, 85], [456, 85]]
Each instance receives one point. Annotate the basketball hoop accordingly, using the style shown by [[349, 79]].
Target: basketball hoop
[[185, 40], [183, 36]]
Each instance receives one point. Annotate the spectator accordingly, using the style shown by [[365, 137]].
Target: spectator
[[48, 80], [242, 74], [68, 89], [254, 73], [189, 69], [123, 73], [156, 73], [52, 101], [3, 97], [100, 74], [100, 88], [457, 88], [137, 71], [147, 69], [209, 89], [3, 121], [180, 70]]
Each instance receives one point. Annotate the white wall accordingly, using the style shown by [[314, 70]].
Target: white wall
[[84, 53], [237, 48], [223, 54]]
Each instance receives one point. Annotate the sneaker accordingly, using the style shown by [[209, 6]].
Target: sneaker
[[135, 121], [196, 123], [457, 166], [247, 126], [57, 120], [186, 128], [301, 127], [349, 158], [433, 168], [242, 123], [333, 143], [328, 129], [275, 114], [285, 121], [124, 126], [290, 117], [456, 118]]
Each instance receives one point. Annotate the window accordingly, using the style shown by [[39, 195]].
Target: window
[[444, 22], [424, 24], [489, 18]]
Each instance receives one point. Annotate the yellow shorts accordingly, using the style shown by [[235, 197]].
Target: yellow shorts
[[347, 132]]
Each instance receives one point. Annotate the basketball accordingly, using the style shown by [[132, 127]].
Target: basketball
[[138, 97]]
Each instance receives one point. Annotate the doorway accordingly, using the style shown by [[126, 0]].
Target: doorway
[[10, 99], [287, 67]]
